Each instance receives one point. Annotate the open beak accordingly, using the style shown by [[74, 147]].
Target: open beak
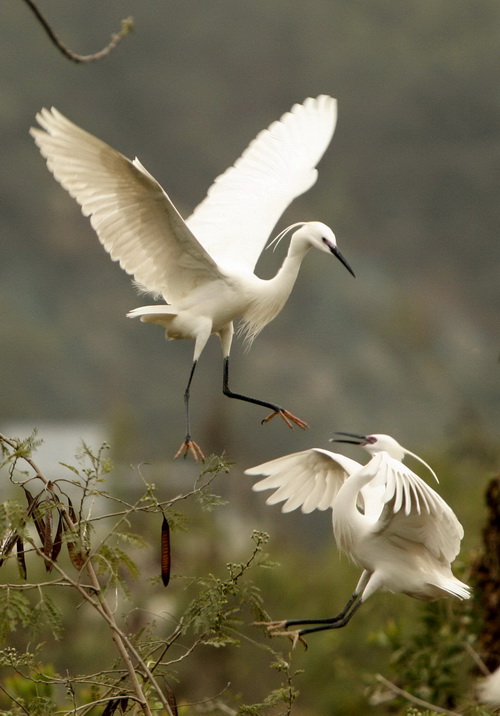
[[342, 260], [358, 439]]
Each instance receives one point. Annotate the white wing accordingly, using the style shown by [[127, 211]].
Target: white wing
[[135, 220], [413, 511], [309, 479], [244, 203]]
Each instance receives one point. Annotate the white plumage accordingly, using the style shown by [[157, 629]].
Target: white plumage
[[389, 521], [489, 690], [202, 267]]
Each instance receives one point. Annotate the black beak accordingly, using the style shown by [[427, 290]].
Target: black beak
[[359, 439], [342, 260]]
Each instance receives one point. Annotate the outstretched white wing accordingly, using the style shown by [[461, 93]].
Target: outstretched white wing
[[309, 479], [135, 220], [244, 203], [412, 510]]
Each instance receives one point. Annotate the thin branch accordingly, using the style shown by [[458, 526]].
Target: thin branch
[[124, 646], [216, 705], [116, 38], [14, 444], [54, 583], [413, 699], [183, 656], [213, 704], [14, 700], [96, 702], [477, 659]]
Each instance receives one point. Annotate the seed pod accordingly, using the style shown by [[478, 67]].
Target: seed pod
[[56, 547], [47, 540], [21, 561], [114, 704], [76, 556], [172, 701], [34, 512], [165, 551], [8, 545]]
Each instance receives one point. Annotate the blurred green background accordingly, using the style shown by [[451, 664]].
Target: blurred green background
[[409, 185]]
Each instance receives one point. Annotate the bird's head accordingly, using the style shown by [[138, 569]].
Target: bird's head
[[381, 443], [374, 443], [321, 237]]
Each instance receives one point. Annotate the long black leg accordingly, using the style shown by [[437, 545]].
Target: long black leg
[[329, 620], [189, 446], [335, 623], [186, 400], [285, 414]]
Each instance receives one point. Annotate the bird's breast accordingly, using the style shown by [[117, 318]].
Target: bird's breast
[[218, 301]]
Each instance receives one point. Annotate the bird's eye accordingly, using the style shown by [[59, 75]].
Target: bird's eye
[[371, 439]]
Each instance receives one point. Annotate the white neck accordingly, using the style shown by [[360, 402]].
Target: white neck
[[274, 292], [347, 519], [287, 275]]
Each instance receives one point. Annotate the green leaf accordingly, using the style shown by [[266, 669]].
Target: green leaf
[[47, 613], [15, 611]]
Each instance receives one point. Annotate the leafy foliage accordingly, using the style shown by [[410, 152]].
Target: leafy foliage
[[15, 611], [215, 612], [433, 662], [100, 566]]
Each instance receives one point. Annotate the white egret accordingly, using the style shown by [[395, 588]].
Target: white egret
[[202, 267], [489, 690], [385, 518]]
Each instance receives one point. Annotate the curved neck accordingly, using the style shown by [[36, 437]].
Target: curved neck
[[348, 494], [348, 521], [273, 293], [347, 517], [287, 275]]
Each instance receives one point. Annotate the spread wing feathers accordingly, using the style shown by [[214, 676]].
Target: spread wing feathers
[[135, 220], [412, 511], [244, 203], [309, 479]]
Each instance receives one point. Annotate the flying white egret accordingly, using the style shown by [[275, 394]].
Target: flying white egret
[[385, 518], [202, 267]]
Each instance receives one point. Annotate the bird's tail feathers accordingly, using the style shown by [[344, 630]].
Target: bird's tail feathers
[[161, 314], [455, 587]]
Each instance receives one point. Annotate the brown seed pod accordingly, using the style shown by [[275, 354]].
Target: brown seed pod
[[165, 552]]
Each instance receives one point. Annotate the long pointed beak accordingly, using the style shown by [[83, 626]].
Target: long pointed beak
[[342, 260], [359, 439]]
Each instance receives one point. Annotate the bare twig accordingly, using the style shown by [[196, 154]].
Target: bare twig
[[126, 29], [94, 703], [413, 699], [477, 659], [18, 703], [54, 583]]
